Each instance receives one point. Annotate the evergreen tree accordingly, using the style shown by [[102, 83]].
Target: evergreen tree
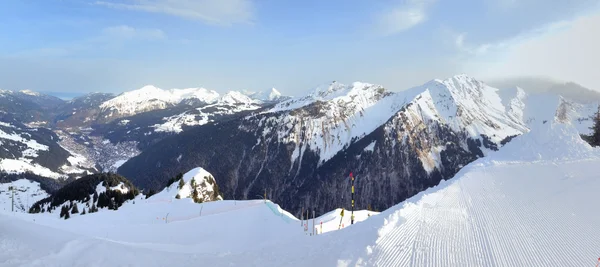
[[595, 138], [181, 183], [150, 193], [95, 196], [64, 210], [178, 196], [103, 200], [93, 208], [67, 216], [195, 196], [75, 209], [83, 212]]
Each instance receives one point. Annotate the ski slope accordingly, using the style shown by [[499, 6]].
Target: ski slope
[[533, 203], [25, 194]]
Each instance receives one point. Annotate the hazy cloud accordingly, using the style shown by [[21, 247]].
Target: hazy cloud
[[402, 16], [127, 32], [223, 12], [565, 50], [108, 38]]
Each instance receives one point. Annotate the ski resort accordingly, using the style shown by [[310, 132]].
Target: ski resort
[[393, 133], [531, 203]]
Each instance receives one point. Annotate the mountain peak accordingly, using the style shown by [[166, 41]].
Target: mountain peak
[[150, 97], [29, 92], [235, 97], [266, 96]]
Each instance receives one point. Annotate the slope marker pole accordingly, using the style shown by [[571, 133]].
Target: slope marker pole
[[12, 190], [313, 230], [352, 212], [341, 218]]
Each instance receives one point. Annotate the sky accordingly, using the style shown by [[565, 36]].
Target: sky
[[77, 46]]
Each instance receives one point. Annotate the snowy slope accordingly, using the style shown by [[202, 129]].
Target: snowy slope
[[505, 210], [150, 98], [25, 194], [266, 96], [331, 117], [502, 210], [231, 103], [533, 109], [466, 104], [206, 187], [35, 150], [333, 220]]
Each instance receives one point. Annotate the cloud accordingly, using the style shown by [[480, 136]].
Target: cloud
[[109, 38], [460, 42], [220, 12], [127, 32], [503, 4], [403, 16], [564, 50]]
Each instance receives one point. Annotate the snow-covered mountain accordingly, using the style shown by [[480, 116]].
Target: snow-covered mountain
[[29, 107], [196, 184], [533, 203], [81, 111], [227, 105], [302, 149], [533, 109], [150, 98], [37, 151], [272, 95]]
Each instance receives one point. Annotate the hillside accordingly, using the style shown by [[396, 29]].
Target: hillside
[[93, 191], [301, 150], [25, 193], [196, 184], [530, 204]]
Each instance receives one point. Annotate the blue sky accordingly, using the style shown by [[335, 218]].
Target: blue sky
[[77, 46]]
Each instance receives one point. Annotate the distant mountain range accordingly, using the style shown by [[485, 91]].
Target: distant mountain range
[[300, 150]]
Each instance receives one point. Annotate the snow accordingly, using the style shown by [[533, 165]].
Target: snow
[[501, 210], [332, 116], [6, 124], [29, 92], [15, 166], [466, 104], [230, 103], [205, 185], [540, 108], [25, 194], [371, 146], [333, 221], [120, 187], [234, 97], [150, 98], [340, 114], [533, 203], [118, 164], [175, 123], [270, 95], [21, 139]]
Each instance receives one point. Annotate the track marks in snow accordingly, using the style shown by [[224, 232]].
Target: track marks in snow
[[503, 215]]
